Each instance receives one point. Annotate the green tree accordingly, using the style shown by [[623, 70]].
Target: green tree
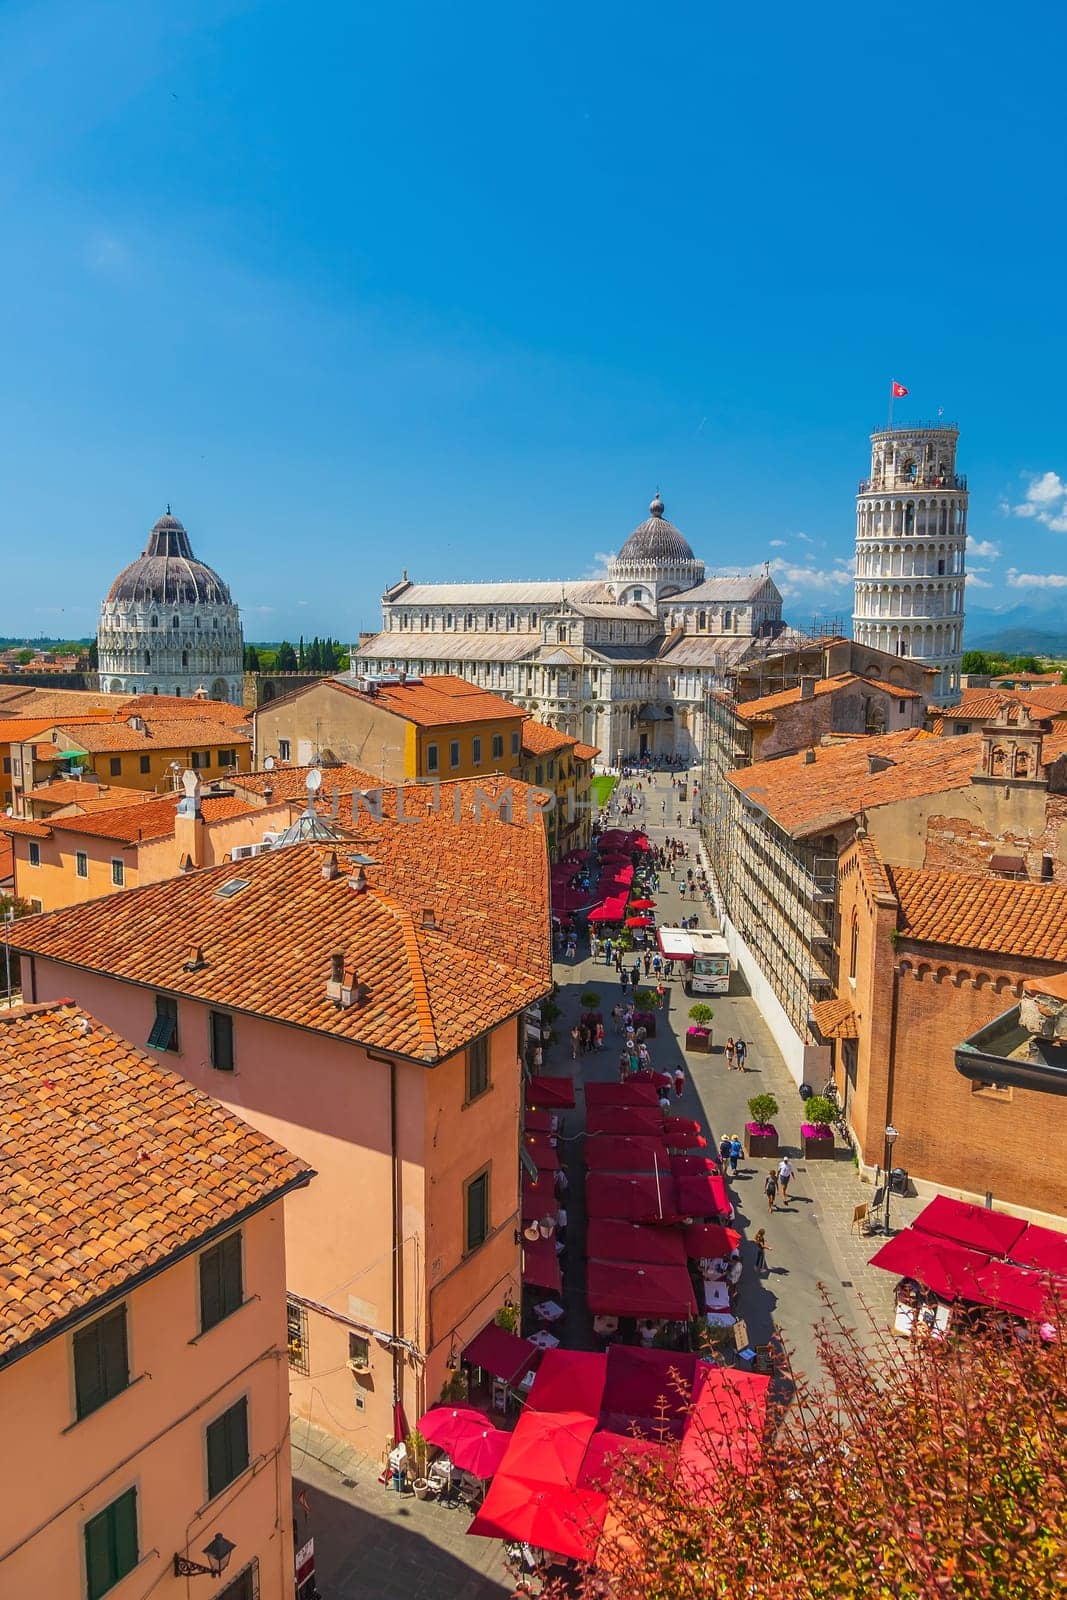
[[1025, 664], [286, 658], [975, 662], [24, 658], [94, 658], [251, 658]]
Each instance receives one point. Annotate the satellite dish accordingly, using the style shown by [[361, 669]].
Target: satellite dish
[[314, 780], [268, 764]]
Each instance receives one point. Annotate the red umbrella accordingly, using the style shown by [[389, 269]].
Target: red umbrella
[[639, 922], [549, 1446], [642, 905], [456, 1429], [565, 1521]]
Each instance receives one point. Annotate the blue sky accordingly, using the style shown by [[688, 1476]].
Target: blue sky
[[361, 287]]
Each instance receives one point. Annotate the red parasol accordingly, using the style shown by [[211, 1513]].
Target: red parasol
[[607, 1239], [642, 905], [994, 1232], [625, 1119], [639, 922], [542, 1151], [537, 1121], [549, 1446], [608, 1450], [703, 1196], [565, 1521], [710, 1241], [554, 1092], [569, 1380], [624, 1289], [540, 1264], [468, 1436], [621, 1094], [621, 1152]]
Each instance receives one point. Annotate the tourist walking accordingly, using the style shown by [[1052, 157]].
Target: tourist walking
[[616, 1016], [636, 972], [759, 1239], [624, 1066], [598, 1032], [736, 1151], [648, 962], [618, 960], [607, 951], [785, 1177], [742, 1054], [679, 1082], [576, 1039], [770, 1188], [724, 1151], [730, 1050]]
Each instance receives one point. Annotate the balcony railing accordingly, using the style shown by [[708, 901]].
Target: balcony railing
[[893, 481]]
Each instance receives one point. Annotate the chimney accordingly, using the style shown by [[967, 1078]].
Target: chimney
[[189, 823], [195, 960], [809, 758], [337, 966], [807, 688], [329, 865], [428, 918], [358, 880], [343, 986]]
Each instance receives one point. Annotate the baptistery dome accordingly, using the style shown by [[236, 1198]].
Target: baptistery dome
[[656, 560], [169, 624]]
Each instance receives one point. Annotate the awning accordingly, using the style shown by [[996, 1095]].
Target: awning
[[538, 1199], [569, 1380], [537, 1121], [644, 1385], [607, 1239], [540, 1264], [703, 1196], [637, 1198], [557, 1093], [621, 1094], [1042, 1248], [625, 1119], [549, 1446], [542, 1150], [710, 1241], [944, 1268], [632, 1289], [992, 1231], [621, 1152], [607, 1450], [501, 1353]]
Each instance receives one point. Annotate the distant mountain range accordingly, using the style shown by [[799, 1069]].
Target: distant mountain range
[[1038, 627]]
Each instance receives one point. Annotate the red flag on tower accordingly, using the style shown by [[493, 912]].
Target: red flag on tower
[[898, 390]]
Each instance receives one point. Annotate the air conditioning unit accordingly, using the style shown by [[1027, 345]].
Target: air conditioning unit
[[269, 840], [241, 852]]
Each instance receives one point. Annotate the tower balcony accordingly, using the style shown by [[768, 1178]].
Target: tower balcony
[[907, 483]]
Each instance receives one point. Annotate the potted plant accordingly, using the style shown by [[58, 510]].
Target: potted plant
[[761, 1136], [508, 1318], [699, 1036], [590, 1000], [817, 1133], [456, 1389], [417, 1451]]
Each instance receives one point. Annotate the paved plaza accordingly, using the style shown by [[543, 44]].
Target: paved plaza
[[374, 1545]]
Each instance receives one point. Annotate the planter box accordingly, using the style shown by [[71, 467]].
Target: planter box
[[818, 1142], [698, 1040], [760, 1140]]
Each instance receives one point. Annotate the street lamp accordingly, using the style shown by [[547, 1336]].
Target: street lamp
[[891, 1136], [218, 1554]]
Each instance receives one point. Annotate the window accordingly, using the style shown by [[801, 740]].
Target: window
[[201, 759], [283, 749], [81, 863], [431, 758], [35, 853], [476, 1207], [453, 753], [111, 1544], [297, 1333], [115, 766], [358, 1352], [227, 1447], [498, 745], [185, 658], [477, 1067], [853, 952], [145, 763], [36, 905], [227, 758], [101, 1362], [221, 1281], [164, 1034], [222, 1041], [118, 874], [476, 750], [7, 763], [551, 770], [515, 743], [245, 1586], [175, 622]]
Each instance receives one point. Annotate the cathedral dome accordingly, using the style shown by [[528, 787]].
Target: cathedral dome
[[656, 540], [168, 573]]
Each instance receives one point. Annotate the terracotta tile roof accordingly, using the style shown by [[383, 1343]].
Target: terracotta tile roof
[[539, 740], [87, 796], [756, 710], [835, 1019], [290, 783], [458, 799], [435, 701], [177, 708], [184, 733], [155, 820], [111, 1165], [586, 752], [267, 947], [992, 914], [14, 730], [872, 866], [1055, 988], [989, 703], [25, 828]]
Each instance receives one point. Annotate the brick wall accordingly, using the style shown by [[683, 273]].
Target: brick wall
[[966, 844]]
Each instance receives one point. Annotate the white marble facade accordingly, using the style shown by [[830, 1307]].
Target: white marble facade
[[623, 663]]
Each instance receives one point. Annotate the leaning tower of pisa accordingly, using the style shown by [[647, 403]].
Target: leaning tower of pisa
[[911, 536]]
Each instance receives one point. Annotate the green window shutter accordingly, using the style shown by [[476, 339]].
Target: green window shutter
[[232, 1284], [98, 1566], [124, 1523], [111, 1544], [101, 1361], [221, 1281], [227, 1447], [210, 1290]]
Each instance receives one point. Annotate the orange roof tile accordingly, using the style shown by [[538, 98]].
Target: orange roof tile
[[992, 914], [113, 1165], [267, 947], [183, 733], [988, 703], [750, 710], [25, 827], [586, 752], [835, 1019], [540, 740], [176, 708], [431, 703], [15, 730], [290, 783], [872, 866], [87, 795], [1055, 988]]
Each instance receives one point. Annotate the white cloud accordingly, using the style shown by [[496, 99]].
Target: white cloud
[[779, 544], [983, 547], [1036, 580], [975, 582], [599, 568], [1046, 499], [793, 580], [806, 538]]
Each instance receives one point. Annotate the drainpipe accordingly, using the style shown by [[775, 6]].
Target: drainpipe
[[398, 1376]]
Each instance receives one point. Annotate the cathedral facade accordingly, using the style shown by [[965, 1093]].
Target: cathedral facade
[[623, 663], [169, 625]]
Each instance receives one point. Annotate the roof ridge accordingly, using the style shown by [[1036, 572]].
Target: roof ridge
[[423, 1005]]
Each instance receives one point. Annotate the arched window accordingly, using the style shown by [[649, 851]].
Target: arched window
[[196, 622], [702, 620], [853, 948], [490, 620], [468, 621], [148, 658], [175, 622], [155, 622], [727, 621], [185, 658]]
